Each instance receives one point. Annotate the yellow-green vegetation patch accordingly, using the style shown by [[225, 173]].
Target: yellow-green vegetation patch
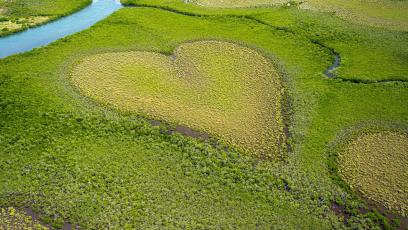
[[11, 218], [376, 164], [225, 89], [18, 24], [238, 3], [384, 13], [389, 14], [9, 26]]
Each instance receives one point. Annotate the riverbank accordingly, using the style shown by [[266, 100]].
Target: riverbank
[[45, 34], [16, 16]]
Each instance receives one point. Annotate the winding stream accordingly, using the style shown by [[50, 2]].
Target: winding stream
[[45, 34], [336, 63]]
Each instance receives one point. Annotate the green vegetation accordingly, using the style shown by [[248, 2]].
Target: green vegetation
[[376, 165], [387, 50], [17, 15], [73, 160], [218, 87], [237, 3], [391, 14]]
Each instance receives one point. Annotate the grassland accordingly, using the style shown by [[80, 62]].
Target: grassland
[[17, 15], [376, 165], [235, 4], [386, 49], [389, 14], [221, 88], [71, 159]]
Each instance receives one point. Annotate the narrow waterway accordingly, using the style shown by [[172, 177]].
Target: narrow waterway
[[336, 63], [45, 34]]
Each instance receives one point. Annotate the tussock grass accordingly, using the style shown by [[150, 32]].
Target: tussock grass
[[221, 88], [375, 164]]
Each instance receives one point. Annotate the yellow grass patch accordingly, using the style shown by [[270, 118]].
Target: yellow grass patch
[[228, 90], [10, 25], [377, 166], [381, 13], [29, 21], [38, 19], [238, 3]]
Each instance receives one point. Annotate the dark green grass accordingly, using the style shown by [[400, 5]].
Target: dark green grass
[[128, 174], [71, 159]]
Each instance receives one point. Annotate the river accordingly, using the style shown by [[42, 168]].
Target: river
[[50, 32]]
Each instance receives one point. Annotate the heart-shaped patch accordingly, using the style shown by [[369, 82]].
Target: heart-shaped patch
[[227, 90]]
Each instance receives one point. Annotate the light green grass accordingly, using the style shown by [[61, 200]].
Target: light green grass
[[221, 88], [386, 50], [237, 3], [390, 14]]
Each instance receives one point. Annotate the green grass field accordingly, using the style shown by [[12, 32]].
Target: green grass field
[[237, 4], [17, 15], [77, 142], [389, 14], [387, 50]]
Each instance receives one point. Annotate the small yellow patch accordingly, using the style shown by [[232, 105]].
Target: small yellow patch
[[38, 19], [10, 25], [21, 22]]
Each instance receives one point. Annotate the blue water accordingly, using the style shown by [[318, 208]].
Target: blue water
[[45, 34]]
